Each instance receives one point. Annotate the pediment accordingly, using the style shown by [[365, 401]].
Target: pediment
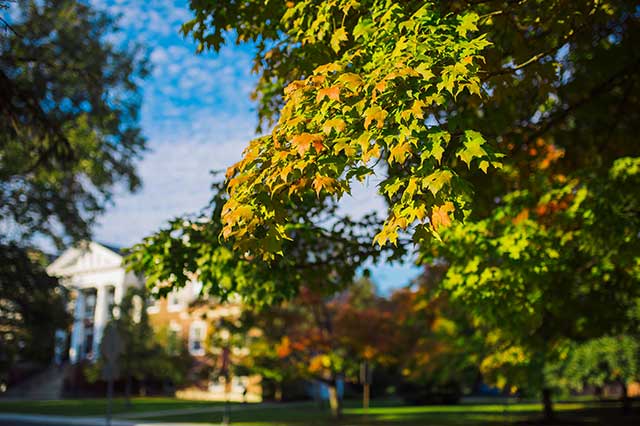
[[85, 257]]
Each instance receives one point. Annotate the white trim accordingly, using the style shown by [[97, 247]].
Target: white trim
[[155, 307]]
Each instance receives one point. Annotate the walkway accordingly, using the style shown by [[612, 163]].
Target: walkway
[[46, 385], [124, 419]]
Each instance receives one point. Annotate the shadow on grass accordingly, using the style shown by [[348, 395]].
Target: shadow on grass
[[97, 407], [461, 415]]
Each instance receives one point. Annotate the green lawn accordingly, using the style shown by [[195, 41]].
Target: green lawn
[[463, 415], [382, 413], [97, 407]]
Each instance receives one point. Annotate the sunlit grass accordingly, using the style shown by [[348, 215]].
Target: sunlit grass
[[382, 413]]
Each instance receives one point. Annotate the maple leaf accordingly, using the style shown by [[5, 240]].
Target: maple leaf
[[424, 69], [467, 23], [303, 142], [438, 141], [440, 215], [293, 86], [284, 173], [472, 147], [374, 113], [394, 187], [337, 38], [350, 80], [436, 180], [336, 124], [344, 145], [416, 108], [322, 182], [399, 152], [412, 188], [332, 92], [389, 232], [372, 152], [327, 68]]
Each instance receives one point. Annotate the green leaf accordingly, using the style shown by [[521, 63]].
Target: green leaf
[[472, 147]]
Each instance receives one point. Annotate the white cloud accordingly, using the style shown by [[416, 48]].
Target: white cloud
[[176, 177]]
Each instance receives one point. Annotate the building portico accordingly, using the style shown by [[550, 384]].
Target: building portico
[[97, 281]]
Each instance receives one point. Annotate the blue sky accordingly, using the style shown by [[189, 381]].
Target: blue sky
[[197, 117]]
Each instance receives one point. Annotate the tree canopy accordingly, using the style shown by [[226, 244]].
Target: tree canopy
[[69, 131], [502, 135]]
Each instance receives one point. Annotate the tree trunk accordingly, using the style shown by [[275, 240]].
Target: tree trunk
[[278, 392], [626, 401], [127, 391], [366, 392], [548, 405], [334, 400]]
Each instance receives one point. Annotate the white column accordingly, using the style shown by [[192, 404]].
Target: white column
[[118, 293], [100, 319], [77, 332]]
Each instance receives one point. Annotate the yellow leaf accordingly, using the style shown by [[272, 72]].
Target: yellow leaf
[[344, 145], [286, 171], [399, 152], [467, 23], [472, 147], [424, 70], [327, 68], [417, 108], [372, 152], [337, 38], [436, 180], [336, 124], [412, 188], [350, 80], [374, 113]]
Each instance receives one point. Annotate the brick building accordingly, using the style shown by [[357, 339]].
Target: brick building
[[97, 280]]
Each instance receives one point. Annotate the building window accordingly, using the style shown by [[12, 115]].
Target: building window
[[153, 305], [174, 339], [196, 338], [89, 304], [175, 304]]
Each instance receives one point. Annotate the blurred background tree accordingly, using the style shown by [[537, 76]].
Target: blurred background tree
[[69, 133], [597, 363], [32, 308]]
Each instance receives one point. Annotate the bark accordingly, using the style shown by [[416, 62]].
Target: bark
[[278, 392], [548, 405], [334, 401], [366, 396], [127, 391], [626, 401]]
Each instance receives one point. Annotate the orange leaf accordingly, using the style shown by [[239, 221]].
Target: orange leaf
[[332, 92], [440, 215], [303, 141], [322, 182], [523, 215]]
